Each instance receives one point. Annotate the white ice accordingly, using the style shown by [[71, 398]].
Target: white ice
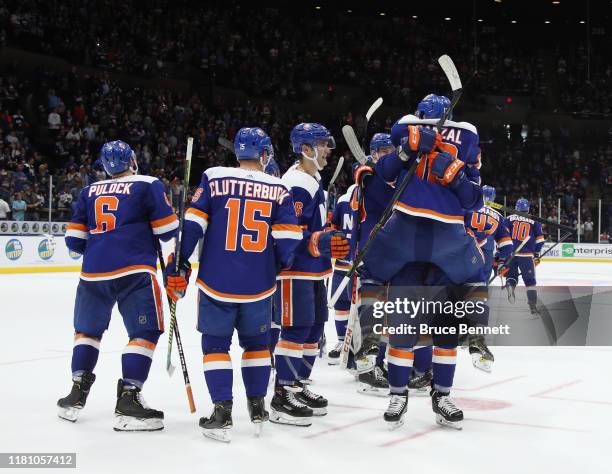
[[541, 410]]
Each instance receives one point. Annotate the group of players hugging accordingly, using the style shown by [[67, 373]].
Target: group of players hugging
[[266, 247]]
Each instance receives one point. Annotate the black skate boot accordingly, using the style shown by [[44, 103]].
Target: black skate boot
[[374, 383], [420, 383], [316, 402], [74, 402], [258, 413], [447, 413], [133, 413], [396, 411], [482, 357], [286, 409], [333, 356], [219, 424], [534, 309]]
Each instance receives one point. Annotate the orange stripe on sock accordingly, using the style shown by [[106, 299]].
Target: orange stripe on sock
[[256, 354]]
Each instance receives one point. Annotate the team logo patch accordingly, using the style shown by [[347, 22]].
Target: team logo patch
[[13, 249], [197, 194], [46, 249], [142, 319]]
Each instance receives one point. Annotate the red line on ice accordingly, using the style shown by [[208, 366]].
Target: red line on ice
[[528, 425], [342, 427], [418, 434], [554, 389], [493, 384]]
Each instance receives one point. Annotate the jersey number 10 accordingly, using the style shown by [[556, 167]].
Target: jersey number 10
[[520, 230], [248, 242]]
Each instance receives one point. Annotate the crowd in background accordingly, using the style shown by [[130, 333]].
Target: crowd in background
[[54, 123]]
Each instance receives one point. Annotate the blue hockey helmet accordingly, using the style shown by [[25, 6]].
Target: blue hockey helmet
[[116, 157], [310, 134], [522, 205], [380, 140], [488, 193], [272, 168], [433, 107], [250, 143]]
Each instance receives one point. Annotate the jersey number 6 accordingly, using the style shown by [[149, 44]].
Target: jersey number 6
[[105, 220], [249, 243]]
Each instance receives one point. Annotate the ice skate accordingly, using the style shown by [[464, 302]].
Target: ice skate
[[447, 413], [333, 356], [286, 409], [396, 411], [482, 357], [132, 412], [219, 424], [373, 383], [316, 402], [511, 295], [70, 406], [533, 309], [258, 413], [419, 384]]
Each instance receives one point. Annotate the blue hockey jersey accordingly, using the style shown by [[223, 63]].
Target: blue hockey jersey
[[343, 220], [490, 229], [310, 208], [249, 229], [116, 226], [424, 197], [520, 228]]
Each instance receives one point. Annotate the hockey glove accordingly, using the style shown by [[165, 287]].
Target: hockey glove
[[362, 173], [420, 140], [332, 244], [447, 169], [536, 259], [176, 282]]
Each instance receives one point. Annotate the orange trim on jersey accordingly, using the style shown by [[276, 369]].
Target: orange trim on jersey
[[197, 212], [77, 226], [439, 351], [458, 219], [286, 303], [504, 239], [292, 273], [142, 343], [164, 221], [290, 345], [256, 355], [311, 345], [217, 357], [237, 297], [131, 268], [401, 353], [81, 335], [291, 227], [342, 311]]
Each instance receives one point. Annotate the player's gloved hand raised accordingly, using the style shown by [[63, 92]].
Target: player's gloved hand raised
[[420, 140], [332, 243], [362, 173], [447, 168], [176, 282]]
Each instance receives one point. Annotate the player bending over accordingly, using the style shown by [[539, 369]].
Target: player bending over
[[249, 230], [116, 225]]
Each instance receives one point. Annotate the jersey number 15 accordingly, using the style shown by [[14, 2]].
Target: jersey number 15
[[248, 242]]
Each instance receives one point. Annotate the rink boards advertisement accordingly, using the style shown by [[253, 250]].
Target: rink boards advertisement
[[42, 253], [30, 254]]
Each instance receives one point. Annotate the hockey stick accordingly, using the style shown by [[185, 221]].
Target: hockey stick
[[501, 207], [353, 143], [225, 143], [553, 246], [179, 241], [373, 108], [447, 65], [179, 345], [507, 262]]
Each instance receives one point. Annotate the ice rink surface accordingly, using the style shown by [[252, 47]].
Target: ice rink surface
[[540, 410]]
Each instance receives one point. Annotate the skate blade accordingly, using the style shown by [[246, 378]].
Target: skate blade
[[218, 434], [318, 411], [481, 363], [365, 389], [456, 425], [68, 413], [284, 419], [130, 423], [393, 425], [258, 428]]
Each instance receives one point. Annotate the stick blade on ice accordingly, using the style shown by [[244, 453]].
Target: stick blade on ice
[[448, 66]]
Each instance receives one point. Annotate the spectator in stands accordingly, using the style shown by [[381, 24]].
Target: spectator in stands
[[5, 209], [588, 230], [19, 207]]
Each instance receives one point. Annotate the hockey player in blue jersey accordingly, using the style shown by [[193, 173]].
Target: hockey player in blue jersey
[[116, 225], [524, 229], [247, 221], [301, 300], [427, 233]]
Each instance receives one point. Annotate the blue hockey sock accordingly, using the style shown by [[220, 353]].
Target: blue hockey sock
[[84, 353], [218, 367], [341, 320], [311, 351], [288, 354], [422, 359], [399, 367], [136, 361], [444, 363], [532, 296], [380, 357]]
